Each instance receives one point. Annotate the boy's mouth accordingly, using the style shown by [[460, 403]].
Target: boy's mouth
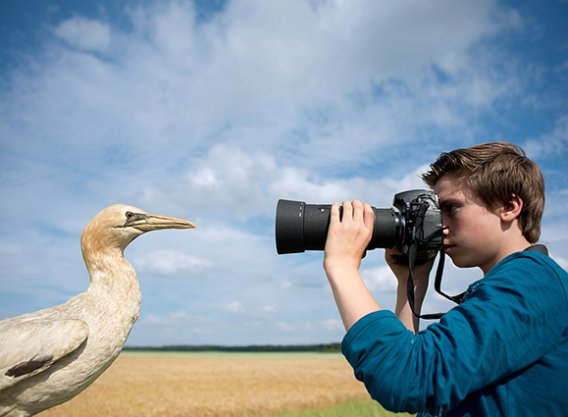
[[448, 247]]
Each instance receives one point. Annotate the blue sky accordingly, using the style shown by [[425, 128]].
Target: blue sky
[[212, 111]]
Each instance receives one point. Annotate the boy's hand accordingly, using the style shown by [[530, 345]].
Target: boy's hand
[[421, 271], [348, 236], [347, 239]]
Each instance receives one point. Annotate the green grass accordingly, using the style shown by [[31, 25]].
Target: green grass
[[355, 408]]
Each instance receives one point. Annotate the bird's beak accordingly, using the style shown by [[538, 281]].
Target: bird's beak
[[148, 222]]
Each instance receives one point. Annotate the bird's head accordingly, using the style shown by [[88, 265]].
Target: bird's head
[[118, 225]]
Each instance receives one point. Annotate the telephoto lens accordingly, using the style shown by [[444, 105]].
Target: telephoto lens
[[301, 227], [415, 216]]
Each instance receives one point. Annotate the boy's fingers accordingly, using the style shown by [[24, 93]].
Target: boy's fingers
[[358, 210], [369, 215], [347, 210], [354, 210], [334, 214]]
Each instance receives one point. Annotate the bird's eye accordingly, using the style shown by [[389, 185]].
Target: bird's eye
[[129, 215]]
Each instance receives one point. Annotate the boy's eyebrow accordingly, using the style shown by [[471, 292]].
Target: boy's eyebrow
[[450, 200]]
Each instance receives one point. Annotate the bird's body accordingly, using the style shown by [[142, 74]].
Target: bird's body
[[49, 356]]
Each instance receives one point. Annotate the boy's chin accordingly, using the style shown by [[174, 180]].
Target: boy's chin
[[462, 261]]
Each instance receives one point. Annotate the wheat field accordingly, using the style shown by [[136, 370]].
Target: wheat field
[[214, 385]]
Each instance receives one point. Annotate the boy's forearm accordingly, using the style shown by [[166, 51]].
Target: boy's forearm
[[421, 275], [402, 308], [353, 299], [348, 236]]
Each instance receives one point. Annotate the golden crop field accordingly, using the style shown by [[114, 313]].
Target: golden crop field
[[214, 385]]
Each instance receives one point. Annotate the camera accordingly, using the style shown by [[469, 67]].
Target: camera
[[414, 219]]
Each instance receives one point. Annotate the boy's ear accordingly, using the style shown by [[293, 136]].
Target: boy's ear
[[512, 210]]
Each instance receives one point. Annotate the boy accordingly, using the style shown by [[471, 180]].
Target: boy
[[504, 350]]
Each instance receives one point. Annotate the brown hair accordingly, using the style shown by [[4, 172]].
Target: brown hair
[[496, 171]]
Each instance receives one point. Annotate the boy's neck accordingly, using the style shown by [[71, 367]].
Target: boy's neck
[[512, 246]]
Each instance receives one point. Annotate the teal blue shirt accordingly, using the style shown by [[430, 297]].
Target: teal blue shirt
[[502, 352]]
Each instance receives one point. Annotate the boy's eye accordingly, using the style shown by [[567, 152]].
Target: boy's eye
[[450, 208]]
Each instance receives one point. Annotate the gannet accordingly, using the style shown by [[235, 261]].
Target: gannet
[[49, 356]]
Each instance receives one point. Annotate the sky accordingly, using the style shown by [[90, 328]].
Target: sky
[[214, 110]]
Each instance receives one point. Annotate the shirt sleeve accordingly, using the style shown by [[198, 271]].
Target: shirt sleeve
[[511, 319]]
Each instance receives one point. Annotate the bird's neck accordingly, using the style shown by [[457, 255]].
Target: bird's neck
[[114, 296], [112, 276]]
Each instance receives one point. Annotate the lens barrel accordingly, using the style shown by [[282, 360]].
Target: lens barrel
[[301, 227]]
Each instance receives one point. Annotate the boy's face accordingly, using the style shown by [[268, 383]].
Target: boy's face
[[472, 230]]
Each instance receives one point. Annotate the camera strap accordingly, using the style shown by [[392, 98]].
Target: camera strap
[[437, 284], [438, 280]]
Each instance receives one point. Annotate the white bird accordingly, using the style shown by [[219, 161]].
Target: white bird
[[49, 356]]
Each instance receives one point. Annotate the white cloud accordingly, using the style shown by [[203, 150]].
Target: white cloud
[[235, 307], [84, 33], [270, 308], [379, 279], [561, 260], [549, 143], [333, 324], [249, 78], [169, 262], [283, 326]]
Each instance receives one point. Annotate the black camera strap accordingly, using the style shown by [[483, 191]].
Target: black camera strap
[[438, 280], [437, 284]]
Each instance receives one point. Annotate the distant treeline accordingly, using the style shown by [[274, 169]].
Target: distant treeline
[[323, 348]]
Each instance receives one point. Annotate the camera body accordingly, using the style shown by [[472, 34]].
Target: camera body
[[414, 219]]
